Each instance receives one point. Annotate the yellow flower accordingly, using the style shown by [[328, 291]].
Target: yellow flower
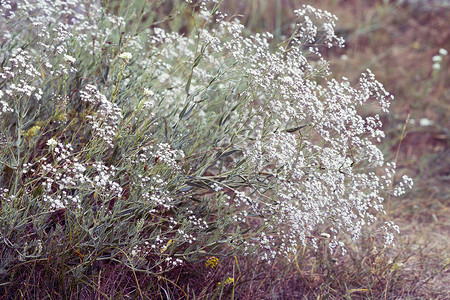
[[32, 132], [211, 262], [229, 280], [166, 246]]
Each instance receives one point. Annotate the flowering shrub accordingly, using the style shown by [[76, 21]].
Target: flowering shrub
[[154, 148]]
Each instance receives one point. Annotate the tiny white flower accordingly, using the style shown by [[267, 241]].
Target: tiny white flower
[[4, 106], [443, 51], [125, 56], [425, 122], [52, 143], [437, 58], [39, 246], [69, 59], [436, 66], [325, 235], [148, 92]]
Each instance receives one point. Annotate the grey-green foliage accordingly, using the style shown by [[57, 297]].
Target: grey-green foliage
[[130, 142]]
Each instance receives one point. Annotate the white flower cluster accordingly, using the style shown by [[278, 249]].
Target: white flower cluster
[[22, 77], [69, 59], [437, 59], [157, 246], [158, 199], [309, 31], [4, 107], [103, 180], [165, 154], [61, 177], [403, 185], [126, 56], [308, 140], [4, 195], [106, 120], [64, 174]]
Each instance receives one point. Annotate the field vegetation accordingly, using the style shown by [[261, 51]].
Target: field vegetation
[[224, 149]]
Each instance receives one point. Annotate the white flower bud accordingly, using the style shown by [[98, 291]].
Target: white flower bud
[[125, 56], [69, 59]]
